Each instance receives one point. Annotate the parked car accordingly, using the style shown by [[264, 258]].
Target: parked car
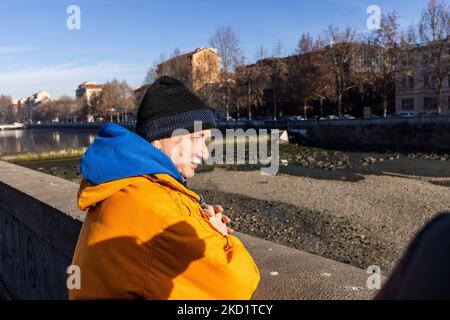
[[428, 114], [347, 117], [402, 115], [292, 118], [406, 114], [331, 117]]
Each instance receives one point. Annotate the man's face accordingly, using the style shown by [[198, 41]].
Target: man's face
[[186, 151]]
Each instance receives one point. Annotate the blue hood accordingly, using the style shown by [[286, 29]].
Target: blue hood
[[118, 153]]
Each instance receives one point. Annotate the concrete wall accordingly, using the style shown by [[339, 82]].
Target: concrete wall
[[427, 134], [418, 133], [424, 133], [39, 226]]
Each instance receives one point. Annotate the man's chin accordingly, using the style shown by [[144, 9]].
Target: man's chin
[[188, 173]]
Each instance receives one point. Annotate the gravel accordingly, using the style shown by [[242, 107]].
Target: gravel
[[363, 222], [360, 208]]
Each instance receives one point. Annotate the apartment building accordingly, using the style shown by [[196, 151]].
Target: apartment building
[[196, 68], [415, 93]]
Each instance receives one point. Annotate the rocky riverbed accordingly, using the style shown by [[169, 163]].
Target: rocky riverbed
[[360, 208]]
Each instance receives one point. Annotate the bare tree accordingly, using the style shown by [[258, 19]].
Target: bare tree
[[115, 100], [66, 107], [278, 75], [106, 103], [127, 100], [151, 75], [251, 81], [339, 50], [408, 61], [8, 113], [382, 55], [175, 53], [46, 111], [433, 34], [152, 72], [226, 42], [260, 54], [63, 109], [307, 77], [82, 109]]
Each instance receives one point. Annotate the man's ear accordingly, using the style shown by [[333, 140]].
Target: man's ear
[[157, 144]]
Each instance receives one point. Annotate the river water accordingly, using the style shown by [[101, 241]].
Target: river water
[[36, 140]]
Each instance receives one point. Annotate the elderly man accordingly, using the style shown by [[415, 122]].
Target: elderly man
[[146, 235]]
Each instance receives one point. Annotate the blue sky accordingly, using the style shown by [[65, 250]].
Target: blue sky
[[121, 38]]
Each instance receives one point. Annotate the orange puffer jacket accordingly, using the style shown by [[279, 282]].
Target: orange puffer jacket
[[148, 237]]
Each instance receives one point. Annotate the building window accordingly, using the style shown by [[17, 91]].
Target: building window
[[410, 83], [407, 104], [430, 103], [426, 82]]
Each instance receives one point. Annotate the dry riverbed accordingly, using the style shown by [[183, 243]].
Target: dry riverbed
[[360, 208]]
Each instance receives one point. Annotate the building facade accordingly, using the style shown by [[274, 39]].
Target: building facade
[[88, 89], [196, 68], [34, 99], [415, 92]]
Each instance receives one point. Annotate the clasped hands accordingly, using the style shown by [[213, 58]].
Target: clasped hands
[[217, 218]]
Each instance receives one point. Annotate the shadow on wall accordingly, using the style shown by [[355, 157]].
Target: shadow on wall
[[118, 268]]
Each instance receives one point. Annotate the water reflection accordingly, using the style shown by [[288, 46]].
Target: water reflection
[[14, 141]]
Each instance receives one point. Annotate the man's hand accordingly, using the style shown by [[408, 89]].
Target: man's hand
[[217, 218]]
